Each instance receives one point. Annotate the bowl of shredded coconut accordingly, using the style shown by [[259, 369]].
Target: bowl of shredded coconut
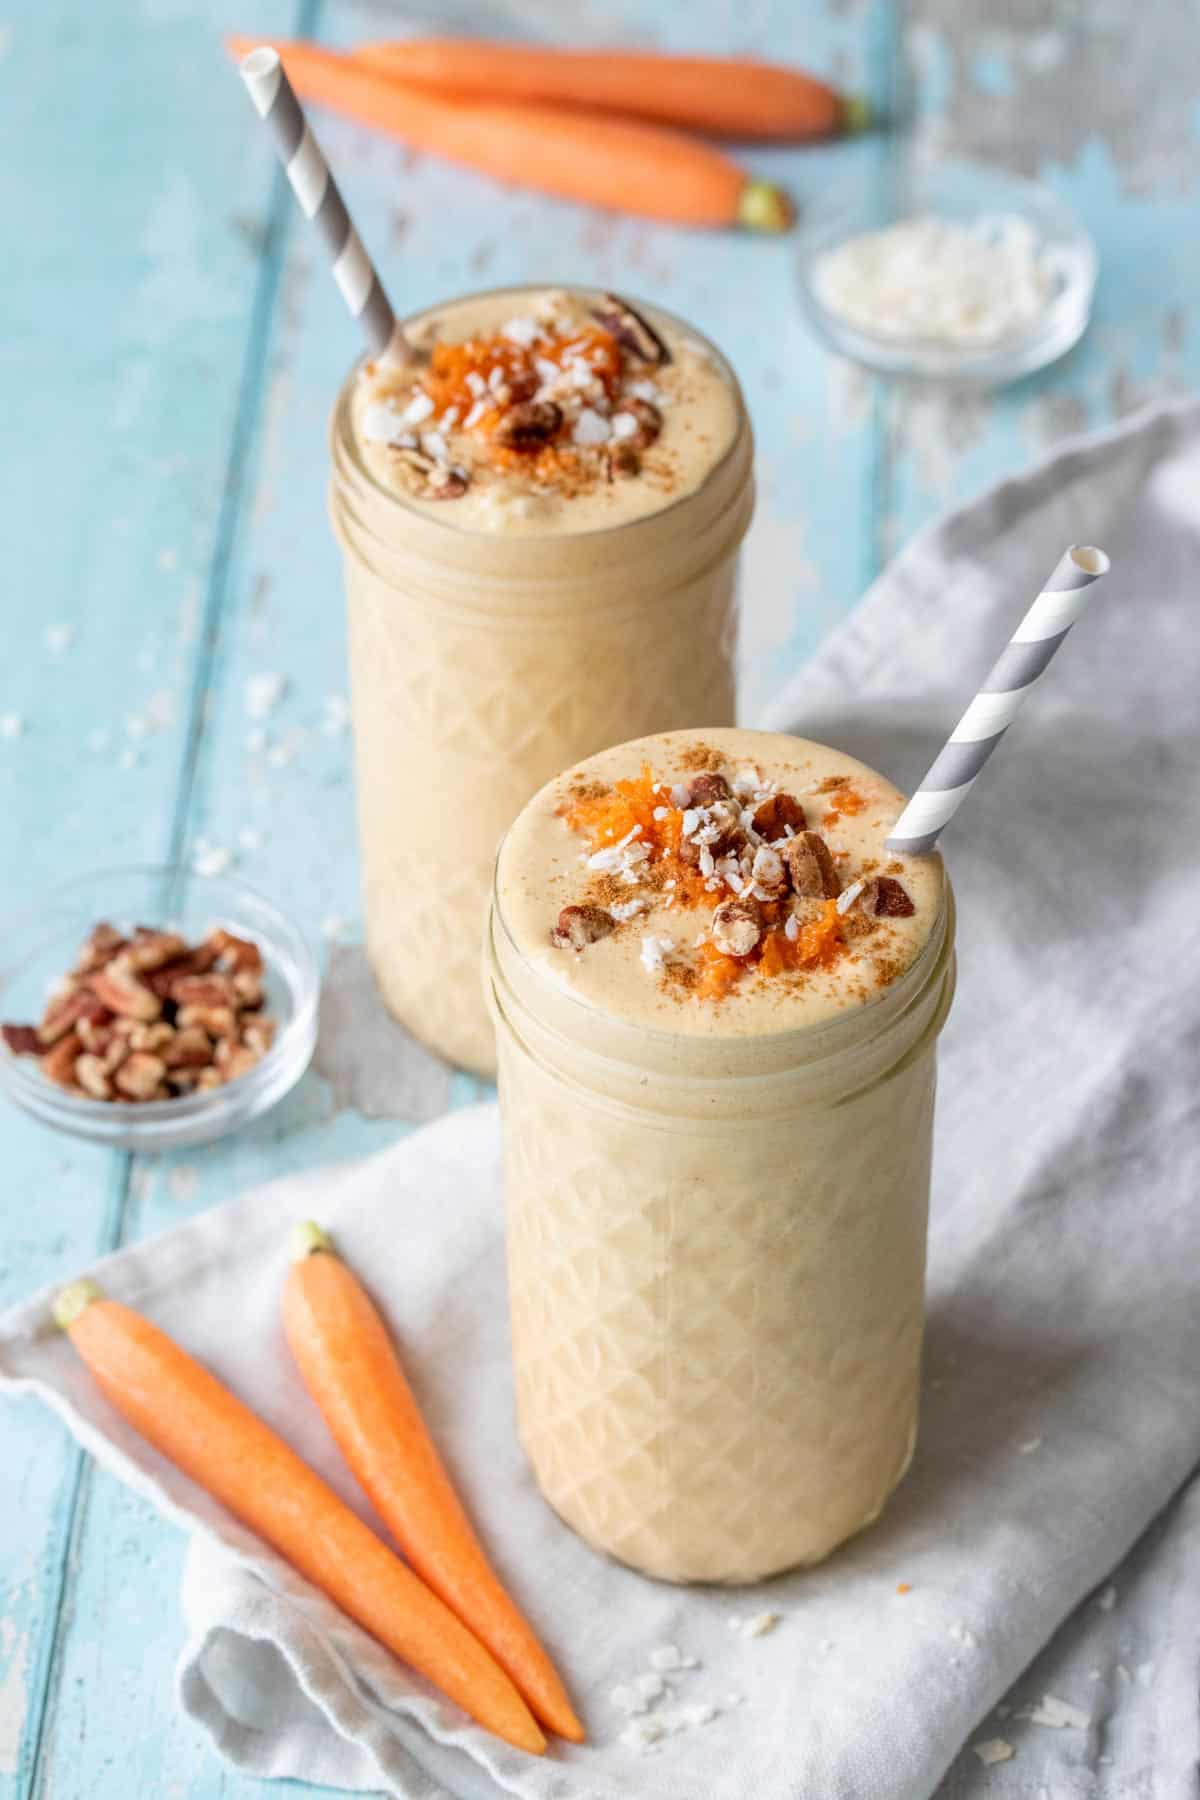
[[949, 272]]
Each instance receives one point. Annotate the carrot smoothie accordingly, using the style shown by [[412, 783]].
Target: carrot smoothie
[[717, 999], [540, 514]]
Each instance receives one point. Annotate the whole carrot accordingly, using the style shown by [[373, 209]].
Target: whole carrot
[[348, 1365], [727, 96], [618, 163], [186, 1413]]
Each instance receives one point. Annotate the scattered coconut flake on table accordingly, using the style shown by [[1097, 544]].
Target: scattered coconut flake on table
[[993, 1750], [1108, 1599], [58, 638], [1029, 1446], [11, 725], [669, 1656], [1058, 1714], [761, 1625], [335, 715], [334, 927], [938, 281], [263, 694], [210, 859]]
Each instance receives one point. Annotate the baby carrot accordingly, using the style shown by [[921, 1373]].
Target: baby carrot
[[727, 96], [186, 1413], [600, 160], [346, 1359]]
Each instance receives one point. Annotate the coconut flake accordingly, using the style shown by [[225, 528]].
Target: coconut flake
[[419, 408], [263, 694], [655, 951], [523, 331], [1057, 1714], [848, 896], [993, 1750], [590, 428], [761, 1625], [380, 423]]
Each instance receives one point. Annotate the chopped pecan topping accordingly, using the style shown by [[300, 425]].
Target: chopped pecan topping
[[118, 988], [648, 420], [22, 1040], [631, 330], [737, 927], [718, 830], [259, 1035], [233, 1059], [214, 989], [529, 425], [579, 926], [620, 461], [140, 1076], [704, 790], [95, 1029], [776, 814], [218, 1021], [810, 866], [768, 871], [428, 479], [888, 899], [151, 1037]]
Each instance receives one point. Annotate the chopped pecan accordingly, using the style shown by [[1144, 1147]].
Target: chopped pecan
[[92, 1076], [529, 425], [737, 927], [631, 330], [208, 1078], [647, 423], [259, 1035], [22, 1040], [64, 1013], [621, 461], [58, 1065], [703, 790], [579, 926], [233, 954], [213, 989], [95, 1029], [218, 1021], [810, 865], [248, 990], [151, 949], [151, 1037], [235, 1059], [428, 479], [776, 814], [118, 988], [140, 1075], [190, 1048], [770, 875], [719, 832], [888, 899], [100, 946]]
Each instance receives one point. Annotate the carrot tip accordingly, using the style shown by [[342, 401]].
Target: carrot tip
[[856, 113], [764, 207], [73, 1301], [305, 1238]]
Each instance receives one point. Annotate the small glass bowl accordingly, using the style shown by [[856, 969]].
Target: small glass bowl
[[42, 942], [965, 193]]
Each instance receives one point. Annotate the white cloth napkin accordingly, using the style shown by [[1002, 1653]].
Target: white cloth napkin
[[1064, 1341]]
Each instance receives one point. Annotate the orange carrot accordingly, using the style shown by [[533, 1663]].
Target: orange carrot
[[206, 1431], [348, 1365], [727, 96], [617, 163]]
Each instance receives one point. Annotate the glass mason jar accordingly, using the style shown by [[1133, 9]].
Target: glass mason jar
[[716, 1261], [480, 664]]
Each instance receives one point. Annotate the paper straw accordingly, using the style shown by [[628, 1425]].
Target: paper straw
[[317, 192], [1020, 665]]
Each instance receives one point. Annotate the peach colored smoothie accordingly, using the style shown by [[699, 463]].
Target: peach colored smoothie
[[717, 1000], [540, 516]]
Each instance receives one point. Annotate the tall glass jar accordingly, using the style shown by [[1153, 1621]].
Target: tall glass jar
[[716, 1253], [480, 664]]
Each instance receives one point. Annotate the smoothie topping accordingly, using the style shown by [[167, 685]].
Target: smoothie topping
[[559, 402], [737, 851]]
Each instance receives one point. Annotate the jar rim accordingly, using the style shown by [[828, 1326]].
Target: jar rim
[[341, 428]]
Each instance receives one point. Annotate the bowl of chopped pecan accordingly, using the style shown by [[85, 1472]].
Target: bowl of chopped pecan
[[149, 1008]]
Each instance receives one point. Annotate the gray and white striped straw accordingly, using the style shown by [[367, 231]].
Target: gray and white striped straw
[[317, 192], [1018, 668]]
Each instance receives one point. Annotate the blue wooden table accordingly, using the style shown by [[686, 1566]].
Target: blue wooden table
[[171, 343]]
